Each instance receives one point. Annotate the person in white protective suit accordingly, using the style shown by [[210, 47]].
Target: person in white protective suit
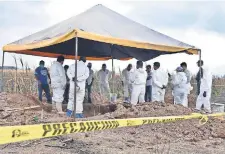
[[188, 75], [159, 83], [205, 89], [127, 86], [104, 76], [180, 87], [58, 83], [82, 75], [138, 81]]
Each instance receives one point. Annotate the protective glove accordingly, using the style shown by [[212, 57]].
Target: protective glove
[[122, 83], [73, 79], [204, 94], [163, 87]]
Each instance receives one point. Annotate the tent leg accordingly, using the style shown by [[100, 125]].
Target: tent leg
[[113, 80], [75, 81], [2, 84], [200, 55]]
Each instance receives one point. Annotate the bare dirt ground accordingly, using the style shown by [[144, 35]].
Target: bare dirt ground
[[185, 137]]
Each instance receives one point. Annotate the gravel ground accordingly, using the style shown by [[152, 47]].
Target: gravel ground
[[186, 137]]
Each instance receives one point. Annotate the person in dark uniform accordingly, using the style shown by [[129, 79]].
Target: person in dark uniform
[[198, 78], [89, 82], [42, 75], [148, 91], [66, 93]]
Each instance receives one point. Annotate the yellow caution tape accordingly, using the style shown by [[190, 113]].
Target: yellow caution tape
[[10, 134]]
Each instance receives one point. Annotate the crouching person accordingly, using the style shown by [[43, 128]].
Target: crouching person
[[82, 75], [180, 87]]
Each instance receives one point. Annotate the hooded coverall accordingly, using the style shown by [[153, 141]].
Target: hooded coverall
[[188, 75], [159, 78], [58, 83], [138, 80], [82, 75], [205, 90], [127, 86], [104, 82], [180, 88]]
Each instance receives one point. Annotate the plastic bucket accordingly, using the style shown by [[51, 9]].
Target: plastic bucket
[[217, 107]]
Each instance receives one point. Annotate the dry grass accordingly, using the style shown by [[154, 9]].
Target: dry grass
[[19, 82], [23, 81]]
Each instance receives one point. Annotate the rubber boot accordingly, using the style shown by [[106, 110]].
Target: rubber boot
[[59, 108], [126, 100], [54, 106], [69, 113]]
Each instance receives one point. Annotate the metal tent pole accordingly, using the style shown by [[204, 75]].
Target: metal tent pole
[[113, 80], [75, 81], [113, 76], [3, 58]]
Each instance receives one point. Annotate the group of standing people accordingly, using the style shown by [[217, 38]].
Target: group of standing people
[[150, 85], [63, 85], [139, 86], [144, 85]]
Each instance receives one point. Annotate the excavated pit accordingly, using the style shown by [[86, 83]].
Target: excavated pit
[[176, 137]]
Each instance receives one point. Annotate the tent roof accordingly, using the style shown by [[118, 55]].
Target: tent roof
[[99, 28]]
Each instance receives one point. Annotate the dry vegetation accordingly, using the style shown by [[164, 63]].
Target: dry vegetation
[[23, 82], [178, 137]]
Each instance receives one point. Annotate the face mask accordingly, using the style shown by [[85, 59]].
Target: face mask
[[42, 65]]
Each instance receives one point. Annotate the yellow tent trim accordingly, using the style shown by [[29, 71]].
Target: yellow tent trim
[[95, 37], [43, 43], [136, 44], [54, 55]]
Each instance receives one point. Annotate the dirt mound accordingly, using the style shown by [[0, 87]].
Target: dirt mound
[[188, 130], [177, 137], [16, 100], [149, 110]]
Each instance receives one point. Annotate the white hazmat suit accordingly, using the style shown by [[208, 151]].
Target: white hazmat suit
[[188, 75], [104, 82], [127, 86], [58, 83], [138, 80], [180, 88], [205, 87], [159, 78], [82, 75]]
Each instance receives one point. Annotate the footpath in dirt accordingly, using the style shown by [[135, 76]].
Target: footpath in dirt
[[178, 137]]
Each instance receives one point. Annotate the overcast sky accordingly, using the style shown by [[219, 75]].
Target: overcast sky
[[200, 24]]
